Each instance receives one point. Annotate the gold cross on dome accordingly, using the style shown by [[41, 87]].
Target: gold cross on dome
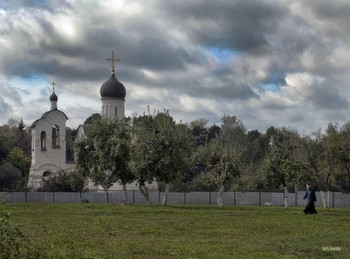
[[112, 59], [53, 86]]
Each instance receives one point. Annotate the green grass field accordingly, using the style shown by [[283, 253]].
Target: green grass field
[[114, 231]]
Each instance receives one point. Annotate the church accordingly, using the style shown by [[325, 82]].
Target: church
[[48, 143]]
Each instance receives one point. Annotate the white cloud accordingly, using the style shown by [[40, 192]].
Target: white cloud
[[167, 60]]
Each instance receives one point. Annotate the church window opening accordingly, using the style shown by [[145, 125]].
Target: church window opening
[[55, 136], [43, 141], [46, 174], [115, 111]]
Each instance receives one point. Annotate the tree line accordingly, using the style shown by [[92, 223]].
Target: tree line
[[188, 157]]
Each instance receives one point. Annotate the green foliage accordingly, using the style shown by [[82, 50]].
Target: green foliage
[[70, 135], [60, 182], [91, 119], [282, 164], [13, 135], [77, 181], [13, 244], [103, 155], [19, 159], [232, 135], [21, 126], [10, 178], [222, 165], [161, 148], [10, 247], [143, 155]]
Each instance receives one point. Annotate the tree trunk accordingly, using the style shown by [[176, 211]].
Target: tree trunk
[[323, 200], [285, 197], [166, 193], [144, 191], [219, 200], [125, 195], [328, 198], [106, 191]]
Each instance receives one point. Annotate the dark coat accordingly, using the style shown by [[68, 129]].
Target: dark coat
[[310, 195]]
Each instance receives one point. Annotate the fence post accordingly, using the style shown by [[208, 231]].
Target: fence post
[[332, 199], [25, 197], [53, 197], [234, 198], [184, 198], [259, 198], [209, 198], [158, 197], [133, 196]]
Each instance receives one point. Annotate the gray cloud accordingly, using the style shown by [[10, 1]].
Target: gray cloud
[[327, 97], [10, 93], [50, 5], [238, 25], [167, 47], [4, 106]]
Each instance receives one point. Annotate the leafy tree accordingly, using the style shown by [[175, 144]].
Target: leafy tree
[[57, 183], [143, 161], [282, 165], [213, 131], [21, 126], [92, 118], [70, 134], [11, 136], [161, 149], [77, 181], [232, 134], [10, 177], [344, 158], [173, 146], [103, 155], [222, 167], [199, 131], [19, 159]]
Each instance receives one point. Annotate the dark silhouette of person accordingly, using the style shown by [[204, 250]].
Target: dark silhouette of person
[[311, 198]]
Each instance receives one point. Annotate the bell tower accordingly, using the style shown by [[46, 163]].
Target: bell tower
[[113, 96]]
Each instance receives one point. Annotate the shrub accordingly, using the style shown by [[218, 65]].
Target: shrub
[[13, 244]]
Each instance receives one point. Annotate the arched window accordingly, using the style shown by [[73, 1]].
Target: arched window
[[55, 136], [46, 174], [115, 111], [43, 141]]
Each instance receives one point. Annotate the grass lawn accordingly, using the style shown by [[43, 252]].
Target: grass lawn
[[114, 231]]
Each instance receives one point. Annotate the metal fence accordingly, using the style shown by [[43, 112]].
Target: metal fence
[[336, 199]]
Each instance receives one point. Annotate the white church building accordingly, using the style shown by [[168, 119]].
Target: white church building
[[49, 135], [48, 145]]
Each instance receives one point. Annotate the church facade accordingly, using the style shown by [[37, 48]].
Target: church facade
[[48, 145], [49, 132]]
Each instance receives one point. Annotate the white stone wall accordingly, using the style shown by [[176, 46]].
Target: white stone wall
[[118, 187], [53, 157], [110, 106]]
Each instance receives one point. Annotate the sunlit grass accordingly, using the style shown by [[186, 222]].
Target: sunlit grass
[[114, 231]]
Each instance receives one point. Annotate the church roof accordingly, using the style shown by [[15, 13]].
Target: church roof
[[45, 115], [112, 88], [53, 97]]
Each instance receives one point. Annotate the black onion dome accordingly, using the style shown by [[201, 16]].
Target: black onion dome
[[53, 97], [113, 88]]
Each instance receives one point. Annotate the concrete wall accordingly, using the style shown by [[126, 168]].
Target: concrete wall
[[337, 200]]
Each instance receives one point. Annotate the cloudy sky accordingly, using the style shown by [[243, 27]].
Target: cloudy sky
[[278, 62]]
